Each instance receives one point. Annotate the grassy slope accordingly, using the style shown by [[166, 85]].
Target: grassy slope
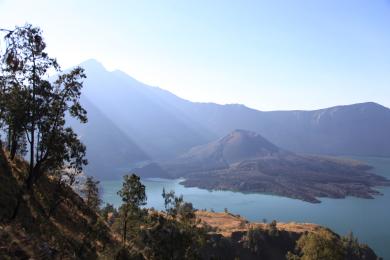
[[72, 231]]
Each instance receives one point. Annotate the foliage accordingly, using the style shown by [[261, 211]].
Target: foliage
[[131, 214], [168, 238], [177, 207], [273, 230], [91, 195], [109, 213], [354, 250], [317, 246], [254, 240], [33, 108], [175, 234]]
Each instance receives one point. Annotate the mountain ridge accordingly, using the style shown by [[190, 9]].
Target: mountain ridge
[[164, 126]]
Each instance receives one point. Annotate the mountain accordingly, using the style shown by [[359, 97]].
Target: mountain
[[236, 146], [247, 162], [145, 114], [154, 124], [110, 150]]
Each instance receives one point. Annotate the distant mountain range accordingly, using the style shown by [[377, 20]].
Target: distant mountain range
[[131, 123], [245, 161]]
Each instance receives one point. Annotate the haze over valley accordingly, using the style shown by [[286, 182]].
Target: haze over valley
[[153, 124]]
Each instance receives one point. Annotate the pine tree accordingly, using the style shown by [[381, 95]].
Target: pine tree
[[133, 197], [91, 193]]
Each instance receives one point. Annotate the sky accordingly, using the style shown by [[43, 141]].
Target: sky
[[268, 55]]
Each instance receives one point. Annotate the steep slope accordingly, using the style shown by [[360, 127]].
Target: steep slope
[[52, 222], [164, 126], [141, 112], [110, 151]]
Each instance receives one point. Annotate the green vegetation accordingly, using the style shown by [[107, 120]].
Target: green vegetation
[[327, 245], [173, 234], [316, 246], [131, 214], [33, 109], [90, 192]]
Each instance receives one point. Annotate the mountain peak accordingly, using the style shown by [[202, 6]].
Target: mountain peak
[[370, 105], [357, 106], [243, 144], [243, 132], [236, 146], [92, 65]]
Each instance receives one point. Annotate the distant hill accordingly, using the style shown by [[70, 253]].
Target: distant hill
[[154, 124], [236, 146], [245, 161]]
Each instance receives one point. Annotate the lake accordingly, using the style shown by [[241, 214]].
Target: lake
[[369, 219]]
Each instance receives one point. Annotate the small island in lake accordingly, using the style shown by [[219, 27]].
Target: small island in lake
[[245, 161]]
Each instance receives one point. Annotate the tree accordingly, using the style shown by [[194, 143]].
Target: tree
[[177, 207], [317, 246], [354, 250], [273, 230], [133, 197], [174, 235], [254, 240], [33, 108], [109, 213], [91, 195]]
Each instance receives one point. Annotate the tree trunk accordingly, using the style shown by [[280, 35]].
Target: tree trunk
[[14, 147], [9, 139], [18, 202], [31, 168], [30, 178], [124, 232]]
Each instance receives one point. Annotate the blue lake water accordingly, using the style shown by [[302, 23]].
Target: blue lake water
[[368, 219]]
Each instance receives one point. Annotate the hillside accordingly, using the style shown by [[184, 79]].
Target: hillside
[[52, 223], [157, 125], [245, 161]]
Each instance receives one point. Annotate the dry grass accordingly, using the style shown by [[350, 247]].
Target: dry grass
[[227, 223]]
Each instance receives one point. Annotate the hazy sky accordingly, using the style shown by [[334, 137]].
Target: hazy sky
[[291, 54]]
